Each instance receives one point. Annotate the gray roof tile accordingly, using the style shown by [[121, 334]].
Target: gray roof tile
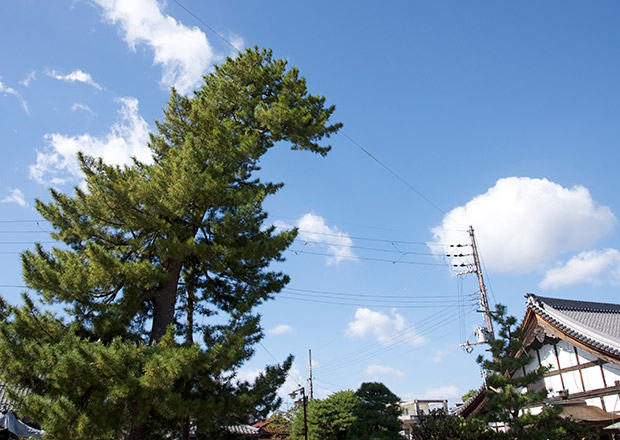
[[594, 323]]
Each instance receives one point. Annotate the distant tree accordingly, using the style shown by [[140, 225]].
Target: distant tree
[[328, 419], [468, 394], [145, 249], [440, 426], [280, 423], [376, 415], [511, 394]]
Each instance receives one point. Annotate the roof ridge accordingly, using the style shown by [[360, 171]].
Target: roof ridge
[[575, 304]]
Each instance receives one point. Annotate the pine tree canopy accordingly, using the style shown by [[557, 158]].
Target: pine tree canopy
[[144, 249], [376, 416]]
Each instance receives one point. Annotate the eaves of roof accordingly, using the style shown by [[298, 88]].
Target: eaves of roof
[[574, 317]]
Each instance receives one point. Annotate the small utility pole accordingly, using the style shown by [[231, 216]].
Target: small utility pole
[[304, 401], [310, 369]]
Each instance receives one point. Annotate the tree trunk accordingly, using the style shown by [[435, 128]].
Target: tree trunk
[[164, 301], [136, 431], [189, 321]]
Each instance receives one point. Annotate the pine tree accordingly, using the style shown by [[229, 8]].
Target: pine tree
[[376, 416], [148, 247], [512, 393]]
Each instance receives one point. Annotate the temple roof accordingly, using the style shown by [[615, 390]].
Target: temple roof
[[596, 324]]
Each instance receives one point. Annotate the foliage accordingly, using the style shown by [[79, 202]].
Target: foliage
[[280, 423], [511, 394], [147, 247], [440, 426], [376, 416], [328, 419], [468, 394]]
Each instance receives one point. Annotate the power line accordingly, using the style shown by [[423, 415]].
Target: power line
[[387, 345], [224, 39], [24, 221], [25, 232], [419, 193], [278, 362], [373, 296], [349, 257], [360, 304], [391, 251], [28, 242], [393, 173], [383, 240], [382, 342]]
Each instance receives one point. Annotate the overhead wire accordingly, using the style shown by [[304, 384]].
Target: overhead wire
[[383, 240], [393, 338], [342, 245], [278, 362], [392, 358], [355, 257], [224, 39], [367, 295], [387, 345], [373, 157], [361, 304]]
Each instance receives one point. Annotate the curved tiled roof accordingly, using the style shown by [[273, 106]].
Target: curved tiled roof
[[596, 324], [458, 410], [242, 429]]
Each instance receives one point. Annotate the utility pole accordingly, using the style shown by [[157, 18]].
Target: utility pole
[[310, 369], [483, 301]]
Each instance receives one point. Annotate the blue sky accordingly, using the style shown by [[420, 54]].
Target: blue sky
[[499, 115]]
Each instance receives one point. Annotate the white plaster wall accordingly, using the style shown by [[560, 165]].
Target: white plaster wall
[[566, 354], [593, 378], [612, 403], [547, 357], [533, 365], [585, 357], [553, 384], [572, 381], [595, 401], [612, 373]]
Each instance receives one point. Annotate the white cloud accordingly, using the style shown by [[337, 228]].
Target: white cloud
[[314, 233], [388, 330], [16, 196], [440, 354], [445, 392], [522, 224], [281, 329], [127, 138], [592, 267], [6, 90], [82, 107], [31, 77], [247, 375], [183, 53], [376, 371], [75, 76]]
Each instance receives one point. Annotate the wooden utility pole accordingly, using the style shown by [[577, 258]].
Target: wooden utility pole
[[310, 369]]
